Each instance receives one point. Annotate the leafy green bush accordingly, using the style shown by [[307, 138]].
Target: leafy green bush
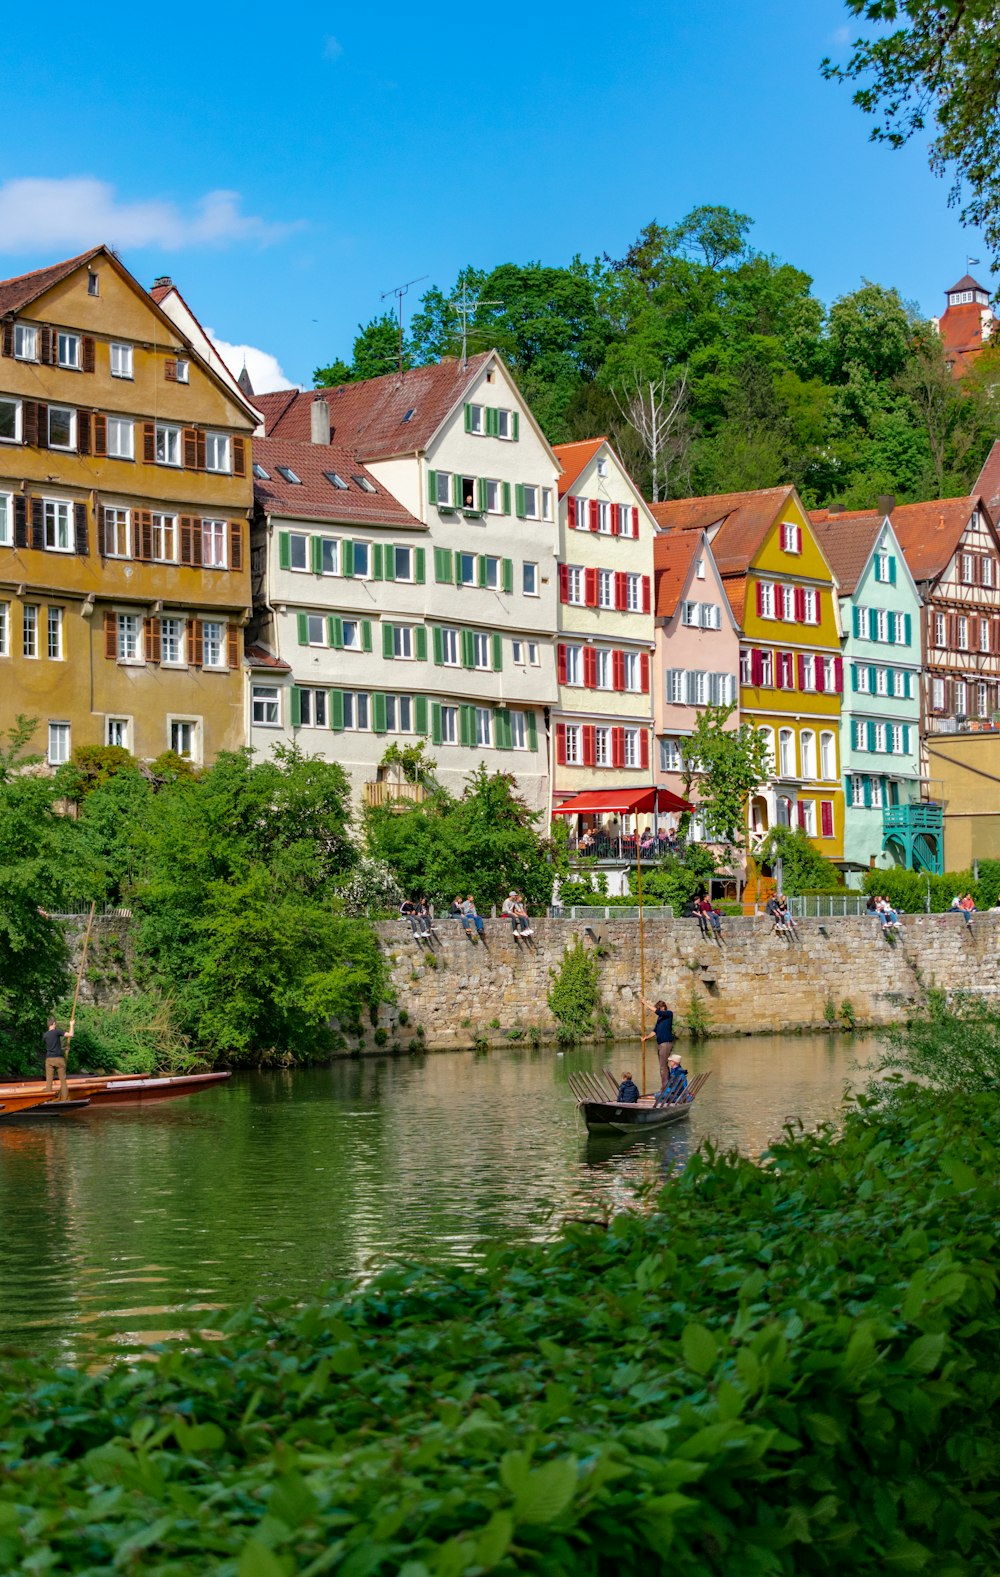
[[953, 1042], [576, 994], [786, 1371], [676, 879], [140, 1035], [802, 865], [907, 890]]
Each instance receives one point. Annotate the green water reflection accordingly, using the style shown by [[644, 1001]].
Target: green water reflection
[[118, 1228]]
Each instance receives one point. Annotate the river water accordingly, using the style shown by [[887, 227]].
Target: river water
[[123, 1227]]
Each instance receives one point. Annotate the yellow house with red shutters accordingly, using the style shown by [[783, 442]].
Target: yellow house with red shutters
[[784, 597]]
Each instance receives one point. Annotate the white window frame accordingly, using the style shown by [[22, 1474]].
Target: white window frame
[[574, 745], [504, 424], [574, 665], [582, 514], [807, 751], [70, 342], [451, 647], [406, 577], [183, 370], [121, 726], [317, 620], [961, 699], [766, 599], [15, 437], [631, 756], [808, 817], [173, 632], [449, 725], [530, 495], [265, 706], [937, 695], [492, 573], [352, 635], [314, 706], [605, 588], [546, 503], [481, 651], [494, 496], [219, 453], [119, 427], [29, 630], [604, 669], [984, 634], [167, 449], [477, 420], [534, 657], [939, 630], [59, 753], [962, 633], [25, 334], [786, 753], [174, 736], [54, 634], [123, 355], [129, 638], [213, 644], [811, 605], [57, 516], [633, 593], [575, 588], [466, 568], [4, 629], [529, 572], [633, 672], [402, 642], [827, 756], [298, 553], [484, 727], [357, 712], [214, 543], [982, 698], [66, 410], [164, 537], [518, 730]]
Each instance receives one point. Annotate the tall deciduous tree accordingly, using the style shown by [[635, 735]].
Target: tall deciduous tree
[[723, 766]]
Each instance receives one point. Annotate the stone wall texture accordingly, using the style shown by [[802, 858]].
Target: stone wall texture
[[455, 992]]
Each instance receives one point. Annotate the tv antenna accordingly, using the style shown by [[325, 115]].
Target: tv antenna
[[466, 307], [399, 291]]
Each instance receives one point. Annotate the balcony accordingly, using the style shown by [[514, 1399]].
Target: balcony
[[399, 793], [603, 848], [914, 834]]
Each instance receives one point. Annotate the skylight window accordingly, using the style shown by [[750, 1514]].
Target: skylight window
[[363, 483], [336, 480], [260, 473], [410, 413], [288, 474]]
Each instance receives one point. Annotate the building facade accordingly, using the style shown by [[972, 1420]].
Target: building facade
[[966, 325], [447, 589], [124, 496], [602, 722]]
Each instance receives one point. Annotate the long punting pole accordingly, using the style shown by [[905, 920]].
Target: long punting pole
[[642, 956], [83, 965]]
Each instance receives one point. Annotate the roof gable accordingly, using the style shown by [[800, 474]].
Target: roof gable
[[574, 459], [929, 534], [674, 559], [19, 292], [363, 501]]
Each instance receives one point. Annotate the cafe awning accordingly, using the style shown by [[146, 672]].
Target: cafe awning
[[621, 802]]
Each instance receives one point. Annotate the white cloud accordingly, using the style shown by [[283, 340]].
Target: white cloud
[[841, 35], [332, 49], [264, 369], [77, 211]]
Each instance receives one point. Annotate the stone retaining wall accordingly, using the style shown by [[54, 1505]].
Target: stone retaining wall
[[455, 992]]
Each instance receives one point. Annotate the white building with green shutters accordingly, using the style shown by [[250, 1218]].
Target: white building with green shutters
[[404, 552]]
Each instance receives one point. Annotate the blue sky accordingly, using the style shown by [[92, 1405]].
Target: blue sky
[[287, 165]]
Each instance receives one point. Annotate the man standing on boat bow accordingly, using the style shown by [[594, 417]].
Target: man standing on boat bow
[[663, 1031]]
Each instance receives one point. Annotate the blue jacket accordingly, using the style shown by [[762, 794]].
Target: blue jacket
[[628, 1091]]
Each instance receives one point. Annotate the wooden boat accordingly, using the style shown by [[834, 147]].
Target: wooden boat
[[48, 1108], [113, 1089], [604, 1114]]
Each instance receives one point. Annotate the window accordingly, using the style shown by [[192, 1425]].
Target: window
[[442, 489], [958, 695], [290, 476], [213, 644], [986, 571], [365, 483], [484, 727], [529, 493], [517, 651], [534, 659], [807, 816], [962, 637], [213, 544], [529, 579], [896, 739], [55, 633], [362, 560], [881, 684], [402, 641], [937, 695], [217, 457], [183, 374], [518, 730], [184, 738], [575, 586], [121, 361], [605, 588], [630, 739], [984, 635], [827, 756], [631, 667], [786, 753], [465, 492], [968, 569], [604, 518], [315, 629], [939, 630], [766, 599], [982, 700], [25, 342], [766, 670], [398, 714], [403, 562], [265, 706], [93, 283], [791, 538], [881, 624], [876, 784], [604, 670], [116, 732], [481, 650], [329, 555], [62, 427], [494, 497], [352, 635], [58, 526], [450, 648], [449, 725], [121, 438], [671, 759], [675, 686], [58, 744], [165, 538], [298, 551], [574, 747], [67, 349], [857, 792], [4, 629], [260, 473], [883, 568], [504, 424], [807, 745], [699, 569], [880, 738], [767, 737], [356, 710], [129, 638], [474, 419], [466, 569], [583, 514], [171, 641], [313, 708], [491, 573], [546, 503], [810, 609], [168, 445], [573, 664], [10, 420]]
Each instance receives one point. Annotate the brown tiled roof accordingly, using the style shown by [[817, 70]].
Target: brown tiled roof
[[745, 520], [369, 417], [318, 498], [574, 458], [673, 554], [847, 541], [159, 292], [18, 292], [988, 481], [260, 657], [929, 533], [966, 283], [736, 590]]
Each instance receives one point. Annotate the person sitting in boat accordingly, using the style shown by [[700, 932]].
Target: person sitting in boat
[[628, 1090], [675, 1084]]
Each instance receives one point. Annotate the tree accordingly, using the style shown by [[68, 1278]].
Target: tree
[[655, 410], [942, 65], [376, 351], [802, 865], [727, 765]]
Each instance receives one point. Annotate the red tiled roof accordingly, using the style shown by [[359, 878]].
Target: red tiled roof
[[961, 332], [23, 288], [317, 498], [574, 458], [158, 292], [745, 519], [673, 555], [369, 417], [736, 590], [929, 533], [847, 540], [988, 481], [260, 657]]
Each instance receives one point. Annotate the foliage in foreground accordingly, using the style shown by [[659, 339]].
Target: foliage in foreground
[[954, 1043], [138, 1035], [784, 1369]]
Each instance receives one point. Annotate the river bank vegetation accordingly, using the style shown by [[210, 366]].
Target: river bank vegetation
[[788, 1368]]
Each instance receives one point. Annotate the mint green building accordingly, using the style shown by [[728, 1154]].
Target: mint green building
[[885, 821]]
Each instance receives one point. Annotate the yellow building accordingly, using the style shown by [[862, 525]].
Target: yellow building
[[783, 596], [964, 774], [125, 487]]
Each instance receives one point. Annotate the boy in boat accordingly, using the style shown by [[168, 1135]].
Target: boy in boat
[[663, 1030], [628, 1090], [55, 1059]]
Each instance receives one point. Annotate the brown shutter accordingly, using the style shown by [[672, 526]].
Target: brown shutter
[[146, 534], [100, 435], [20, 521], [190, 449], [83, 432], [170, 369], [150, 630], [111, 635], [31, 423], [201, 451], [8, 339], [239, 457], [88, 353], [42, 419], [156, 651], [236, 544], [101, 521], [233, 645], [194, 651], [186, 539], [81, 531], [149, 443], [37, 523], [196, 541], [45, 344]]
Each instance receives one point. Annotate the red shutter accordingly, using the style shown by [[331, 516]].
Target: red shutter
[[594, 514], [819, 673], [190, 449], [8, 338], [561, 660], [590, 587], [618, 747], [111, 636], [201, 450], [571, 510], [146, 534], [561, 744], [233, 645], [646, 597], [756, 665], [802, 672], [758, 588], [798, 539], [800, 604], [826, 817], [196, 650], [779, 602], [589, 668], [616, 520], [838, 675], [618, 670], [588, 745], [779, 670], [170, 369], [635, 522], [621, 591], [644, 749], [239, 457], [644, 672], [801, 813], [564, 583]]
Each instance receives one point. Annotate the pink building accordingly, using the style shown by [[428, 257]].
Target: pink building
[[696, 661]]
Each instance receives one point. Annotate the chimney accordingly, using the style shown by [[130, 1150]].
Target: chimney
[[319, 422], [886, 503], [835, 509], [164, 282]]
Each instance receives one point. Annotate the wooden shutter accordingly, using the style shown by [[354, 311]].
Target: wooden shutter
[[618, 747], [505, 492], [802, 671], [561, 662], [799, 603], [7, 346], [496, 650], [111, 635], [376, 557], [595, 514], [284, 550], [236, 544], [190, 449], [100, 434], [519, 499], [200, 446], [618, 670], [515, 425], [643, 749], [186, 539], [561, 744], [419, 566], [432, 487], [621, 591], [239, 457], [42, 428], [819, 674], [81, 533], [83, 432], [644, 672], [468, 649], [145, 535], [532, 731], [588, 744], [616, 514], [387, 642], [30, 423], [335, 632], [590, 668], [779, 602], [800, 809], [37, 524], [45, 345], [759, 594], [646, 594], [233, 645], [590, 587], [337, 711], [779, 670], [378, 712], [150, 630], [302, 627], [20, 521], [826, 817], [89, 360], [170, 369], [635, 522], [564, 583], [570, 506], [196, 650], [420, 714], [366, 635], [838, 675], [507, 576], [149, 443], [756, 667]]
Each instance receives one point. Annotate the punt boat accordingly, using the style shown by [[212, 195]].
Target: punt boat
[[113, 1089], [605, 1114]]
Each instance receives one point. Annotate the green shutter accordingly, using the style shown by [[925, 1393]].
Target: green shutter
[[468, 649], [871, 681], [296, 706], [854, 676], [892, 569], [420, 565], [420, 713], [316, 549], [458, 568], [891, 627], [867, 790], [871, 736], [335, 626], [481, 494], [906, 739], [389, 561], [387, 641], [907, 686], [507, 575], [303, 623], [436, 735], [378, 712], [505, 490], [337, 711], [492, 422], [468, 417], [420, 639], [438, 647], [872, 624], [366, 635], [377, 561], [443, 571], [347, 559], [515, 426], [496, 642], [890, 681], [467, 724], [503, 734], [284, 550], [482, 569], [857, 621], [907, 628], [532, 732], [432, 487], [519, 500]]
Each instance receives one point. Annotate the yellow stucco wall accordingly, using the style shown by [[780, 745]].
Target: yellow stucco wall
[[965, 770]]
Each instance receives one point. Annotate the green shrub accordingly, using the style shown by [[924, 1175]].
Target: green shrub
[[830, 1011], [140, 1035], [697, 1021], [575, 995], [847, 1014], [380, 1036], [907, 890]]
